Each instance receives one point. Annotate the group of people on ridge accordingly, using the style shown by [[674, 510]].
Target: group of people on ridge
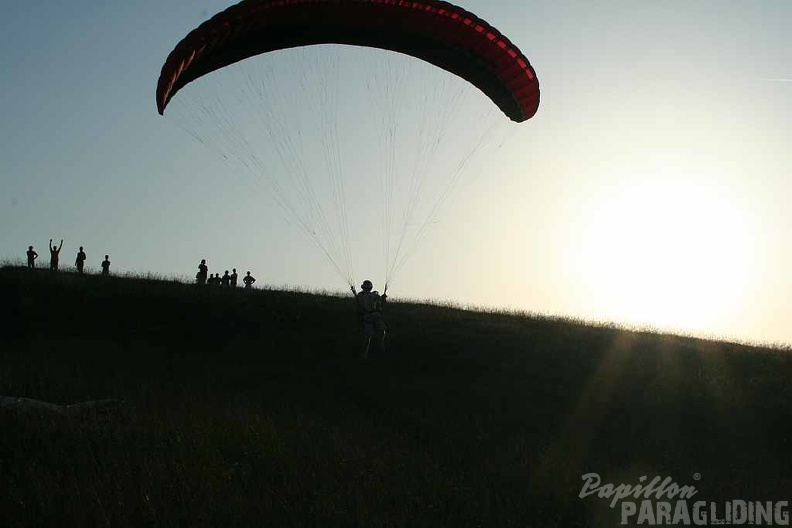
[[79, 262], [227, 280]]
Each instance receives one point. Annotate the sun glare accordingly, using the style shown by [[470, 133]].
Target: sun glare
[[668, 250]]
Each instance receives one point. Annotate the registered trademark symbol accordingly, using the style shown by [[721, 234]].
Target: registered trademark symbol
[[696, 476]]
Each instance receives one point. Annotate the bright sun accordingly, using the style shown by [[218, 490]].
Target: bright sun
[[668, 250]]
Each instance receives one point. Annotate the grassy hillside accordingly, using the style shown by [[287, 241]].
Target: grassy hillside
[[251, 409]]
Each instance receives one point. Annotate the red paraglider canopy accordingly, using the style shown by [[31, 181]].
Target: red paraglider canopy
[[433, 30]]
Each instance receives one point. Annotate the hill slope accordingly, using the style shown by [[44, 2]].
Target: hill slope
[[250, 408]]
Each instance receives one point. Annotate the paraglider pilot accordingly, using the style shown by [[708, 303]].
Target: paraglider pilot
[[369, 305]]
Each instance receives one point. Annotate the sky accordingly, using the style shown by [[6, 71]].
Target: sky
[[650, 188]]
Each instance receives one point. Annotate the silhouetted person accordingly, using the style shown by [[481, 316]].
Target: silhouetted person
[[54, 254], [234, 278], [225, 280], [32, 256], [106, 265], [214, 280], [203, 269], [80, 261], [369, 305], [248, 280]]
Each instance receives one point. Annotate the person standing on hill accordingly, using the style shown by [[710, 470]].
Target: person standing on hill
[[225, 280], [234, 278], [203, 269], [31, 257], [80, 261], [106, 265], [248, 280], [369, 305], [54, 254]]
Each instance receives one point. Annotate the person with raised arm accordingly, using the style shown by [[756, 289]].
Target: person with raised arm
[[54, 254]]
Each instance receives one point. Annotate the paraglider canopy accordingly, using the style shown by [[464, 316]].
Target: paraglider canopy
[[436, 31], [315, 97]]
